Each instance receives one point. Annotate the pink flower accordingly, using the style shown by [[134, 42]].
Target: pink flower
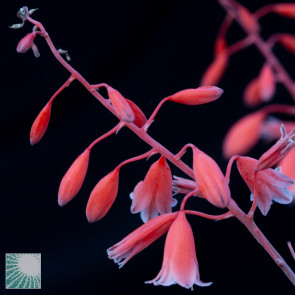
[[288, 168], [210, 180], [25, 43], [180, 265], [141, 238], [271, 184], [278, 151], [103, 196], [153, 195]]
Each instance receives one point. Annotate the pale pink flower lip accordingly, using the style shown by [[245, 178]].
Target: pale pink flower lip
[[180, 265], [141, 238], [271, 184], [278, 151], [153, 195]]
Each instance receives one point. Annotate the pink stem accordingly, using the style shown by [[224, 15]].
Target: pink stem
[[255, 197], [263, 11], [229, 166], [137, 158], [291, 249], [209, 216], [190, 194], [239, 45], [107, 134]]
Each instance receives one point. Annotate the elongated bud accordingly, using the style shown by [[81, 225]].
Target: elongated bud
[[267, 83], [288, 42], [103, 196], [285, 9], [200, 95], [40, 124], [121, 106], [214, 72], [243, 135], [252, 94], [25, 43], [211, 181], [73, 179], [140, 117]]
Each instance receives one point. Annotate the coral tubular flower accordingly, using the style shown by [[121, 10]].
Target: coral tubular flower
[[25, 43], [271, 184], [103, 196], [40, 124], [153, 195], [200, 95], [243, 135], [73, 179], [214, 72], [141, 238], [278, 151], [211, 181], [140, 118], [180, 264], [285, 9], [120, 104], [267, 83], [288, 168]]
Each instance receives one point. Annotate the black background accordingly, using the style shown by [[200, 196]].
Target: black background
[[147, 50]]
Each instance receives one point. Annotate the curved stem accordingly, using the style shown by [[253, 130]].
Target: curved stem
[[255, 197], [190, 194], [209, 216], [66, 84], [229, 166], [263, 11]]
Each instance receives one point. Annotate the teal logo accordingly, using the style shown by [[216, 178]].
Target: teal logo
[[23, 271]]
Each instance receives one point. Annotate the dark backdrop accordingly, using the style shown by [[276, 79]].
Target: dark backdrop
[[147, 50]]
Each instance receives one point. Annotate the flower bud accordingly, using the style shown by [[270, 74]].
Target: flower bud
[[140, 118], [285, 9], [25, 43], [40, 124], [103, 196], [200, 95], [73, 179]]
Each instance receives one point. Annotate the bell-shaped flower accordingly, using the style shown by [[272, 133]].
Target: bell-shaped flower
[[271, 184], [243, 135], [278, 151], [288, 168], [40, 124], [73, 179], [141, 238], [211, 181], [103, 196], [180, 264], [153, 195], [121, 106], [200, 95], [214, 72]]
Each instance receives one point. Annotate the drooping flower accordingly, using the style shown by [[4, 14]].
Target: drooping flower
[[153, 195], [288, 42], [252, 96], [103, 196], [285, 9], [243, 135], [141, 238], [120, 104], [278, 151], [288, 168], [271, 184], [40, 124], [180, 264], [211, 181], [73, 179], [200, 95]]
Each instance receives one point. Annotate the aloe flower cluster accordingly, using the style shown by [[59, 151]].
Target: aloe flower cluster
[[154, 196]]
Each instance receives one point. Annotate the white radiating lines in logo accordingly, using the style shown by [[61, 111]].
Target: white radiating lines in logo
[[23, 271]]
